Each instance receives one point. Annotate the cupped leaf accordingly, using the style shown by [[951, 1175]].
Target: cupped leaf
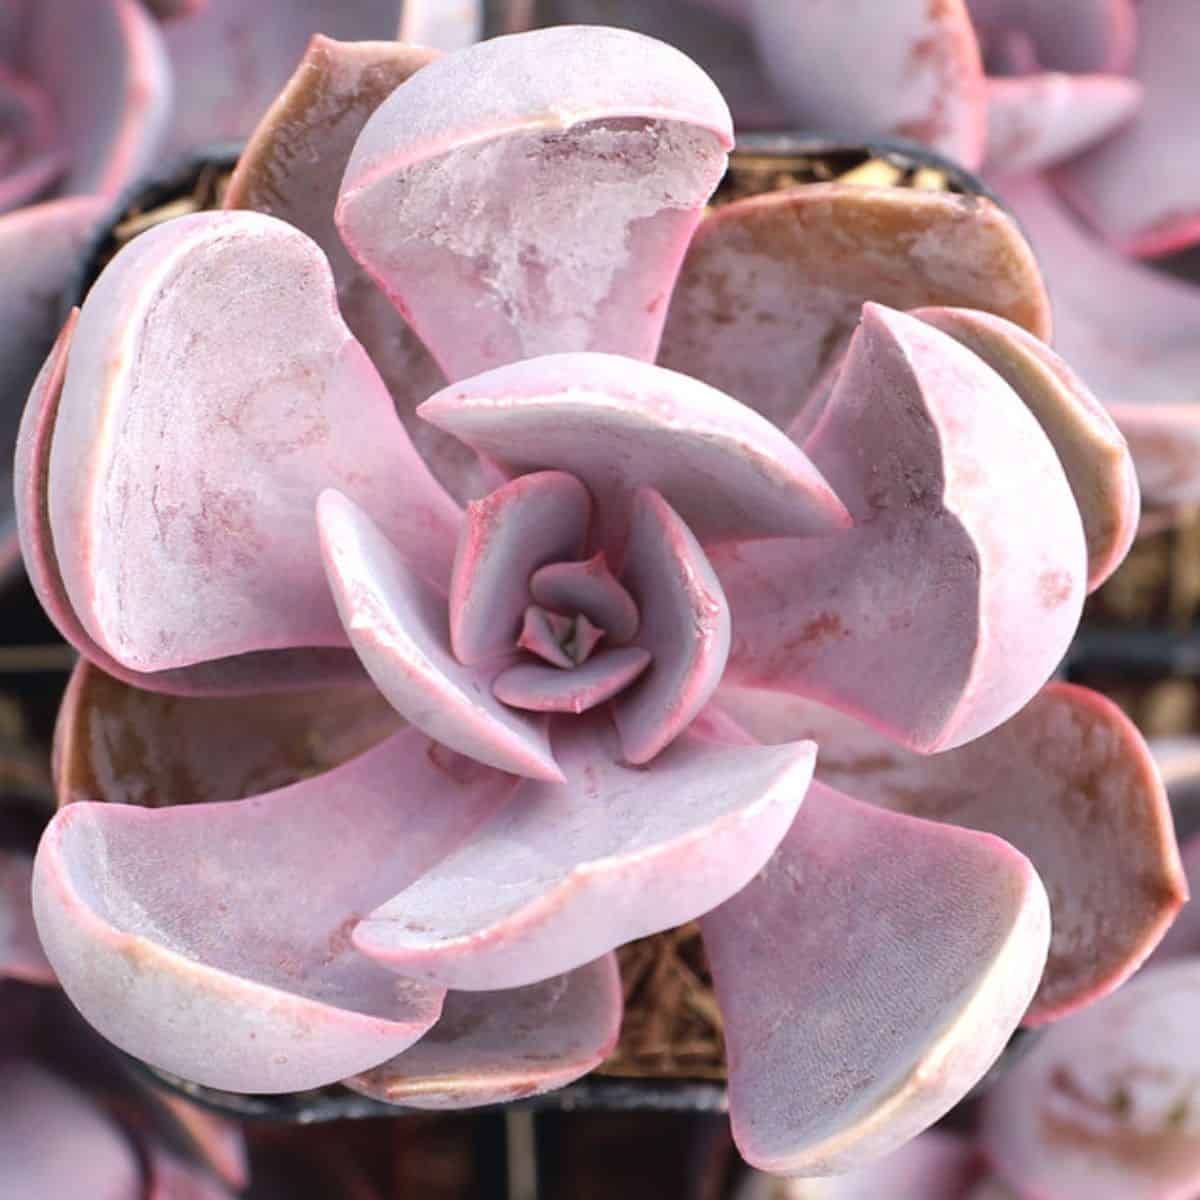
[[492, 1047], [1141, 188], [258, 51], [110, 49], [55, 1141], [618, 424], [189, 339], [946, 608], [535, 193], [566, 872], [399, 627], [772, 286], [1091, 449], [1132, 333], [537, 687], [685, 629], [908, 69], [868, 977], [1036, 120], [1107, 1103], [1068, 781], [591, 589], [504, 538], [119, 743], [211, 967]]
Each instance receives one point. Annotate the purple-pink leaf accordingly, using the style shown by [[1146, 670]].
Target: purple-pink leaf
[[591, 589], [1069, 760], [55, 1142], [121, 743], [291, 169], [1107, 1103], [1088, 444], [868, 977], [1141, 187], [260, 49], [30, 157], [1035, 120], [397, 624], [909, 68], [944, 579], [171, 1178], [1079, 36], [535, 194], [142, 929], [541, 688], [565, 872], [618, 424], [110, 49], [772, 286], [685, 627], [21, 954], [505, 537], [1132, 333], [201, 559], [492, 1047]]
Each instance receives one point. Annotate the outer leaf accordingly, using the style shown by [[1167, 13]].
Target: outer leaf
[[567, 871], [1069, 35], [944, 580], [1088, 444], [170, 560], [1106, 1103], [1068, 781], [772, 286], [909, 69], [144, 934], [868, 977], [21, 955], [617, 424], [491, 1047], [536, 193]]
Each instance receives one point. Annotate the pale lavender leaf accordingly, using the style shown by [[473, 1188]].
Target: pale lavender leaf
[[541, 688]]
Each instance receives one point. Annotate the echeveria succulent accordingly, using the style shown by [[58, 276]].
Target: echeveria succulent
[[1081, 113], [383, 742]]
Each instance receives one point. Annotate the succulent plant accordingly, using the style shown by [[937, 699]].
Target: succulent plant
[[1080, 113], [95, 96], [437, 639]]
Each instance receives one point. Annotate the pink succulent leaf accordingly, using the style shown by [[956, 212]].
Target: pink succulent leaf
[[908, 69], [1091, 449], [1178, 760], [171, 1178], [549, 183], [21, 954], [685, 626], [944, 579], [446, 24], [491, 1047], [1079, 36], [291, 169], [1068, 760], [539, 688], [1036, 120], [523, 525], [397, 624], [567, 871], [543, 633], [110, 49], [260, 47], [54, 1141], [1182, 939], [1106, 1103], [589, 588], [852, 1028], [934, 1166], [212, 557], [714, 33], [30, 157], [1132, 333], [1140, 188], [217, 1141], [120, 743], [618, 424], [276, 996], [772, 286]]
